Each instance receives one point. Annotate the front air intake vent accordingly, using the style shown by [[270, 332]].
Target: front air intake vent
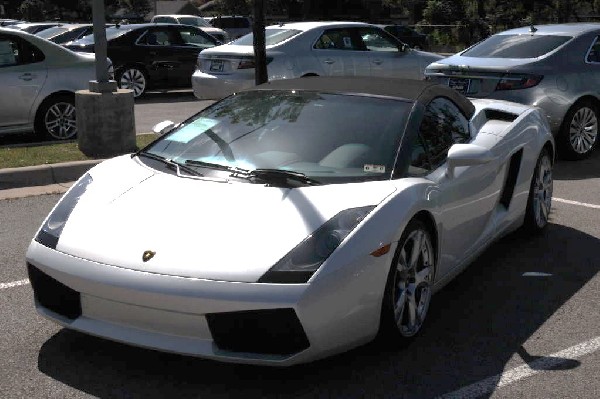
[[269, 331], [497, 115], [54, 295]]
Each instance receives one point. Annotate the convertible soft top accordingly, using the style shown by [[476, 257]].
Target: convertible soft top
[[421, 91]]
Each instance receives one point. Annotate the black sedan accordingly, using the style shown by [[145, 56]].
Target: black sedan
[[147, 56]]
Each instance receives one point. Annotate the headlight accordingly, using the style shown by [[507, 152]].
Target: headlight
[[306, 258], [50, 231]]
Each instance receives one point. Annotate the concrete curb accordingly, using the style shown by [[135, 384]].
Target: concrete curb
[[43, 175]]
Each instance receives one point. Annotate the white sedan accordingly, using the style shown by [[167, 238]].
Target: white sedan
[[292, 221], [308, 49], [39, 80]]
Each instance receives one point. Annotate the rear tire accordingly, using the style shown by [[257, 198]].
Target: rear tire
[[56, 118], [409, 285], [539, 202], [578, 134]]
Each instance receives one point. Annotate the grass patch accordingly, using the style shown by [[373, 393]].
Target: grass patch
[[16, 157]]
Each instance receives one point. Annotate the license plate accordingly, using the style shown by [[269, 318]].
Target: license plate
[[459, 84], [216, 66]]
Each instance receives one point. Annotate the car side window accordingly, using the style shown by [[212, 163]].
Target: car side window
[[159, 37], [168, 20], [196, 37], [593, 55], [378, 40], [16, 51], [339, 39], [443, 125]]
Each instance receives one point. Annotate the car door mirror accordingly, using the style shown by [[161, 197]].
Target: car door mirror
[[467, 155], [163, 127]]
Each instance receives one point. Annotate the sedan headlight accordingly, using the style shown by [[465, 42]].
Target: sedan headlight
[[52, 228], [306, 258]]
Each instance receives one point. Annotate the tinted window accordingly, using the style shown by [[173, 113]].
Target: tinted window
[[160, 37], [516, 46], [16, 51], [594, 53], [442, 126], [167, 20], [111, 33], [340, 39], [272, 36], [51, 32], [332, 138]]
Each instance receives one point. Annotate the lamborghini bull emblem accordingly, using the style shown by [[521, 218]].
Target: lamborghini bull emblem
[[147, 255]]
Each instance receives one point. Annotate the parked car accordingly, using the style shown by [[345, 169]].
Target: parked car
[[39, 80], [308, 49], [235, 25], [147, 56], [554, 67], [193, 20], [65, 33], [34, 27], [414, 39], [361, 198], [8, 22]]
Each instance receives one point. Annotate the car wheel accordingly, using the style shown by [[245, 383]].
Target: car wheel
[[540, 194], [409, 285], [134, 79], [579, 131], [56, 118]]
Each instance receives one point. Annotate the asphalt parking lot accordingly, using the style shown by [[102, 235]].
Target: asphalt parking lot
[[522, 321]]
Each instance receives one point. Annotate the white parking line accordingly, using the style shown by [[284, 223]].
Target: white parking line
[[13, 284], [566, 201], [490, 384]]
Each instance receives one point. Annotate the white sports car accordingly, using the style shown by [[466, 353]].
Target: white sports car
[[292, 221]]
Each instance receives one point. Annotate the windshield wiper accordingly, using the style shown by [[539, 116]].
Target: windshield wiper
[[282, 177], [216, 166], [178, 166]]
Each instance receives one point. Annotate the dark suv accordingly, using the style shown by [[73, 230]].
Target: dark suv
[[147, 56]]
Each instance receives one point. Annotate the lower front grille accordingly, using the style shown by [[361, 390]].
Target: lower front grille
[[54, 295], [269, 331]]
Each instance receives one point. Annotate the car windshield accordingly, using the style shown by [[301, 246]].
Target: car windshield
[[195, 21], [272, 36], [51, 32], [516, 46], [331, 138]]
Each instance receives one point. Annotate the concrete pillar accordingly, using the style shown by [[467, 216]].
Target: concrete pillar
[[105, 123]]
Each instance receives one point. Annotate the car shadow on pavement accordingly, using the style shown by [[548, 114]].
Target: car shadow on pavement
[[179, 96], [486, 320], [578, 170]]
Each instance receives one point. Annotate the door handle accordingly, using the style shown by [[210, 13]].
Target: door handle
[[329, 61], [27, 76], [377, 62]]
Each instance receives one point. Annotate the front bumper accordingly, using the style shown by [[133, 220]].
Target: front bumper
[[175, 314], [213, 87]]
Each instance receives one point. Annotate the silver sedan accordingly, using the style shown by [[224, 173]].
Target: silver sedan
[[554, 67], [38, 80]]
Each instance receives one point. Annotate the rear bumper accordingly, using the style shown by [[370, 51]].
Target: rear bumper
[[213, 87]]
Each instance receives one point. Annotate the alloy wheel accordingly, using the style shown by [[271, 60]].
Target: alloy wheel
[[583, 130], [133, 79], [60, 121], [542, 191], [412, 288]]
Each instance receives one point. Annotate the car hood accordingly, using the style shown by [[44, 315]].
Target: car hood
[[228, 231]]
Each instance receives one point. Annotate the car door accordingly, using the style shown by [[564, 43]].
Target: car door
[[387, 57], [341, 53], [155, 48], [22, 75], [466, 198], [189, 42]]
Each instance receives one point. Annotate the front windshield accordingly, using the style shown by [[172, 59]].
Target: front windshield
[[516, 46], [51, 32], [272, 36], [331, 138], [194, 21]]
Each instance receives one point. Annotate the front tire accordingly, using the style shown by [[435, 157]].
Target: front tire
[[409, 285], [579, 132], [56, 118], [539, 202], [134, 79]]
